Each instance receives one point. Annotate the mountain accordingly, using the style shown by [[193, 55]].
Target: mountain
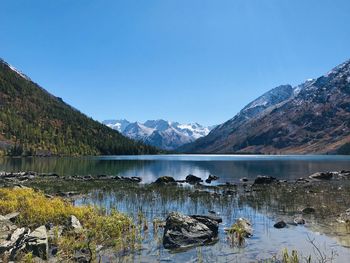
[[160, 133], [34, 122], [313, 117]]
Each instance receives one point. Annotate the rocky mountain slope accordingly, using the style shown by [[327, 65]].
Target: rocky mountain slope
[[313, 117], [34, 122], [160, 133]]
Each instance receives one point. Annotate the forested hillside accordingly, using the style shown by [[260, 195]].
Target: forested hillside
[[34, 122]]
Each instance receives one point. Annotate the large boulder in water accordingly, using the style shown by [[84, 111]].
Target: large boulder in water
[[192, 179], [183, 231], [280, 224]]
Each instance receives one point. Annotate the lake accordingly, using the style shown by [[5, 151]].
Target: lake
[[229, 168], [263, 209]]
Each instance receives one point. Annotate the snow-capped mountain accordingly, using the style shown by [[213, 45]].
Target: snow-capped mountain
[[160, 133], [313, 117], [118, 125]]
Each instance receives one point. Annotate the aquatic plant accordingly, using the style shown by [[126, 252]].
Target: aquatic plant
[[292, 258]]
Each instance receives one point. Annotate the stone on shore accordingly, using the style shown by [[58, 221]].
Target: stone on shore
[[299, 220], [38, 243], [14, 242], [322, 175], [73, 223], [165, 180]]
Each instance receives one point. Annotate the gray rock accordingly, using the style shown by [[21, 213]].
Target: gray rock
[[280, 224], [183, 231], [244, 179], [12, 216], [73, 223], [192, 179], [6, 229], [263, 179], [322, 176], [37, 243], [14, 240], [302, 180], [299, 220]]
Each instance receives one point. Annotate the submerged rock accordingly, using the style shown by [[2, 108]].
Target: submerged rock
[[308, 210], [192, 179], [183, 231], [244, 179], [263, 179], [280, 224], [165, 180]]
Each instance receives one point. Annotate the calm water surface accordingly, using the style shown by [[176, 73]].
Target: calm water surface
[[227, 167]]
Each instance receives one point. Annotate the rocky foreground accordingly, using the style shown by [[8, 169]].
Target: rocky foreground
[[41, 239]]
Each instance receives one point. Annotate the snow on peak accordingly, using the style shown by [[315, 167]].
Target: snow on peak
[[15, 70], [168, 135]]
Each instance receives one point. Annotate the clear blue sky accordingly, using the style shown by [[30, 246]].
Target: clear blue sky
[[181, 60]]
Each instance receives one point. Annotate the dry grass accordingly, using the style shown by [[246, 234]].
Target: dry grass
[[112, 230]]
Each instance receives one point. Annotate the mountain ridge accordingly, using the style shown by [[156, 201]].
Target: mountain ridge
[[314, 118]]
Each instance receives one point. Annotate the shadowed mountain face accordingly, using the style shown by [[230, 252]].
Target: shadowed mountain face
[[34, 122], [313, 117]]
